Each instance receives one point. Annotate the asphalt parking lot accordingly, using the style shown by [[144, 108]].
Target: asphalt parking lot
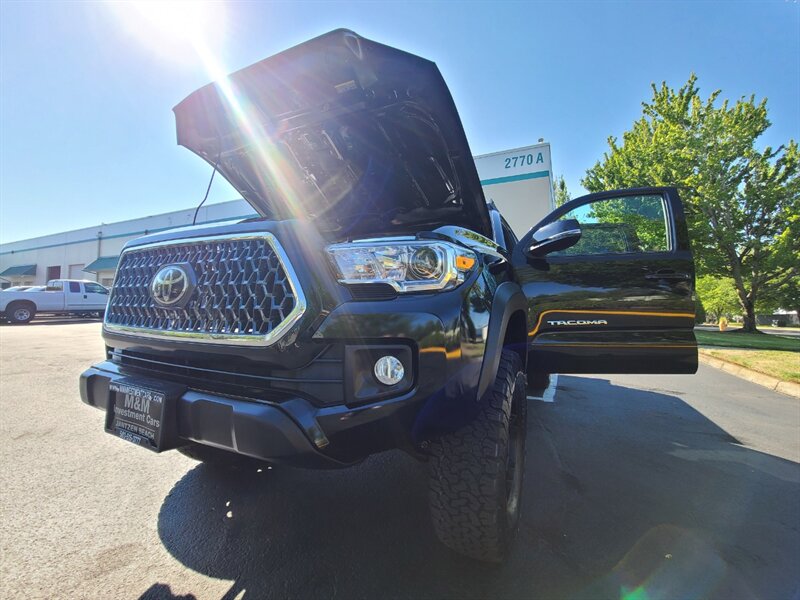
[[636, 487]]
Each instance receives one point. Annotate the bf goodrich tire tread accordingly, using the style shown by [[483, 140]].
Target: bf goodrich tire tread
[[468, 473]]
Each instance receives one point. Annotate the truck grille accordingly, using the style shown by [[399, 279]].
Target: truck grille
[[242, 290]]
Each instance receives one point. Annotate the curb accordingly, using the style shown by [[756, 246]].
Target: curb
[[777, 385]]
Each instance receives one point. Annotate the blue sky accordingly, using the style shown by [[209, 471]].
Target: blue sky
[[86, 90]]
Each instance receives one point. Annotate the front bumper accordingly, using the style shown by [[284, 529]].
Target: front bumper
[[293, 431]]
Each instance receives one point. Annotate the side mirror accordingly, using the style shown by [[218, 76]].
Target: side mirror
[[552, 237]]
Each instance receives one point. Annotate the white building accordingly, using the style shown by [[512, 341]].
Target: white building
[[519, 181], [92, 252]]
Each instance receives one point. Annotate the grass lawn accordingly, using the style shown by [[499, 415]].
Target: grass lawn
[[769, 327], [770, 354], [754, 341], [777, 363]]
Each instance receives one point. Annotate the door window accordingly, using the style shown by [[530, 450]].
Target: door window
[[95, 288], [625, 225], [74, 287]]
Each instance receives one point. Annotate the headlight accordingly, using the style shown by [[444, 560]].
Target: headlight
[[414, 266]]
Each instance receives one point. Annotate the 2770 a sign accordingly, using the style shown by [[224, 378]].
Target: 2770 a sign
[[522, 160]]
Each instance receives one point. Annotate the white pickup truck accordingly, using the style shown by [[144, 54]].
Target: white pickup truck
[[61, 296]]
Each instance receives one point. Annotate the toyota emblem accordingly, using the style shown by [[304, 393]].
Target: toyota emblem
[[171, 285]]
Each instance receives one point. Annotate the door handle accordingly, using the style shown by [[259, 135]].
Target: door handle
[[669, 274], [84, 296]]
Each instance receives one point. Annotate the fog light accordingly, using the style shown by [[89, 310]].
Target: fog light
[[389, 370]]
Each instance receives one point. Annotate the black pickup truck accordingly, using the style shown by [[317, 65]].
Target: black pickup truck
[[378, 302]]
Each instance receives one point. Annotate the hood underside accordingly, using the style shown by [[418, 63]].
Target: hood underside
[[358, 137]]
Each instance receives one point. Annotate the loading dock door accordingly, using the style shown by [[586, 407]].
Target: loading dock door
[[53, 272], [76, 271]]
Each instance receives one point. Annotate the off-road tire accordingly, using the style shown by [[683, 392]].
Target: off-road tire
[[20, 313], [219, 459], [474, 503]]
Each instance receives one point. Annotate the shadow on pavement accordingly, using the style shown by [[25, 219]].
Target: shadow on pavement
[[159, 591], [629, 493]]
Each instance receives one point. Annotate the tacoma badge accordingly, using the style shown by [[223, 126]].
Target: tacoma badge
[[579, 322]]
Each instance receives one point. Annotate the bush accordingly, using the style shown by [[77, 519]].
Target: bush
[[718, 295]]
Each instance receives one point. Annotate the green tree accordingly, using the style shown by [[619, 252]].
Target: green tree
[[740, 200], [785, 292], [560, 192], [718, 295], [786, 296]]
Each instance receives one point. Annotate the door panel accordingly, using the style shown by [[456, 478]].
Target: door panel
[[96, 296], [621, 299], [74, 295]]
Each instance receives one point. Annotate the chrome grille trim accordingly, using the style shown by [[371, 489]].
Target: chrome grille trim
[[274, 335]]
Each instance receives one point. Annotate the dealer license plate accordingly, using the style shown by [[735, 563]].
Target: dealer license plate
[[136, 413]]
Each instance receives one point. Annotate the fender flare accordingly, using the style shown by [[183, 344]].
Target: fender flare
[[508, 299]]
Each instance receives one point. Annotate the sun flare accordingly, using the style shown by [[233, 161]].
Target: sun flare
[[189, 21], [177, 31]]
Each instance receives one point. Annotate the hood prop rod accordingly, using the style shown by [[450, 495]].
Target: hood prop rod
[[208, 189]]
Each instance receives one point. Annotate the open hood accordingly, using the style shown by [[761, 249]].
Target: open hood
[[358, 137]]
